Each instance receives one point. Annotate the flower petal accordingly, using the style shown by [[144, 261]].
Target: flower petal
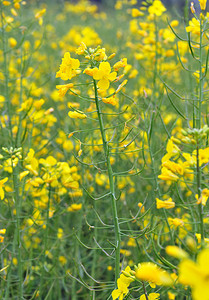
[[103, 84]]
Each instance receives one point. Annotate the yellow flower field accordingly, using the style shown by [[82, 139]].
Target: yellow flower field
[[104, 153]]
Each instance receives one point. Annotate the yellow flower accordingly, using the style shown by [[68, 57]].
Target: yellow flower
[[196, 275], [2, 231], [192, 7], [104, 75], [68, 67], [40, 13], [12, 42], [123, 283], [204, 197], [136, 13], [141, 206], [88, 71], [176, 222], [194, 26], [110, 100], [62, 89], [75, 207], [171, 296], [203, 4], [60, 233], [6, 3], [23, 174], [168, 175], [151, 296], [120, 64], [150, 272], [2, 182], [165, 204], [100, 55], [176, 252], [157, 8], [76, 115], [49, 162], [81, 49], [62, 260], [121, 86]]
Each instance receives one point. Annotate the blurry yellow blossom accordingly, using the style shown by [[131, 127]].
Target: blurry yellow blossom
[[23, 174], [192, 7], [62, 260], [6, 3], [76, 115], [60, 233], [176, 222], [204, 197], [171, 296], [40, 13], [39, 16], [194, 26], [136, 13], [121, 86], [12, 42], [15, 261], [176, 252], [167, 175], [148, 271], [75, 207], [62, 89], [151, 296], [203, 4], [68, 67], [157, 8], [120, 64], [81, 49], [167, 204], [2, 233], [110, 100], [123, 283], [196, 275], [2, 182], [141, 206]]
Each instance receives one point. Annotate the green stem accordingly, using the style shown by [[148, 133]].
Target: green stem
[[15, 171], [145, 291], [201, 78], [200, 206], [112, 186], [45, 245], [156, 60], [199, 111]]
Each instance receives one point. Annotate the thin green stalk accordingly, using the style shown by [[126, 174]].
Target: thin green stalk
[[77, 253], [145, 291], [199, 112], [200, 206], [15, 171], [112, 186], [45, 244], [201, 78], [19, 132], [156, 60]]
